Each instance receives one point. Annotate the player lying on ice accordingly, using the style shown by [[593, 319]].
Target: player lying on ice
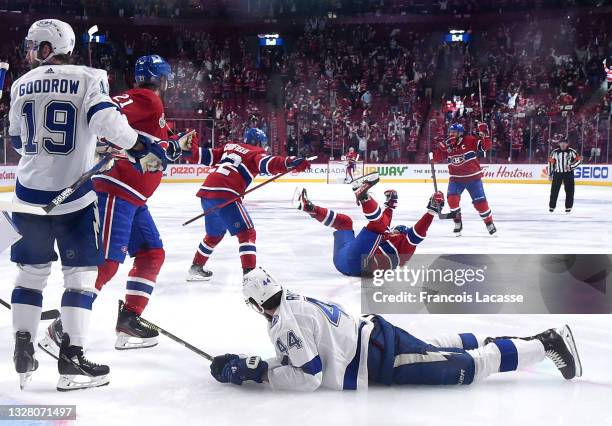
[[461, 152], [127, 226], [318, 344], [235, 167], [375, 247]]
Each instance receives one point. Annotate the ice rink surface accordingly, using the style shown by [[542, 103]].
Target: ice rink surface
[[169, 385]]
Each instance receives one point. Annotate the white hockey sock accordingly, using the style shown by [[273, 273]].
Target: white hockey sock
[[506, 355], [76, 312]]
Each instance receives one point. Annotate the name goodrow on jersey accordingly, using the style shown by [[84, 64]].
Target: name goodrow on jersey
[[55, 85]]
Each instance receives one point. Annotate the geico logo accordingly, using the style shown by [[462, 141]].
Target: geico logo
[[591, 172]]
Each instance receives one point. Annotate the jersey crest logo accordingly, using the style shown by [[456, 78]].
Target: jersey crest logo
[[162, 121]]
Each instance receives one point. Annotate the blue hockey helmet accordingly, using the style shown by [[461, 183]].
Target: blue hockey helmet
[[151, 68], [456, 127]]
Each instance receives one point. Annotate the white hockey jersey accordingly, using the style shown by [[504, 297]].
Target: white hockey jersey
[[317, 344], [57, 111]]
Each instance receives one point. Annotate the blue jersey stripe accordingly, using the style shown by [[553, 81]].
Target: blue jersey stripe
[[99, 107], [314, 366], [16, 142], [352, 370], [468, 340]]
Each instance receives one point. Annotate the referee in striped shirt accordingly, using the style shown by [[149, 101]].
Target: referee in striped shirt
[[561, 164]]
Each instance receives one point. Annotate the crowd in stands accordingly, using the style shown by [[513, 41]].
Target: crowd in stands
[[388, 91]]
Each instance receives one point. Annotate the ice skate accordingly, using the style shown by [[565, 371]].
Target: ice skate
[[76, 371], [199, 273], [362, 185], [560, 348], [23, 357], [52, 340], [458, 225], [492, 229], [132, 333], [300, 200]]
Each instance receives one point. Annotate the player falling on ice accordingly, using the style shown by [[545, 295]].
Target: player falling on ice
[[127, 224], [319, 344], [236, 165], [351, 165], [375, 247], [461, 151], [57, 111]]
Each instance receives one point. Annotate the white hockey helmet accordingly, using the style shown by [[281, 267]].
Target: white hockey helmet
[[57, 33], [258, 287]]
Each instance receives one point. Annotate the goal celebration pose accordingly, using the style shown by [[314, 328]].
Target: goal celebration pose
[[374, 247], [236, 165], [465, 172], [319, 344]]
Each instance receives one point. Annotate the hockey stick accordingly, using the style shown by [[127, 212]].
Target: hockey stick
[[237, 197], [173, 337], [441, 215], [41, 211], [45, 315]]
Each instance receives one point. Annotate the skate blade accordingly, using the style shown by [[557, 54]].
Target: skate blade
[[25, 379], [297, 195], [457, 234], [194, 278], [126, 342], [371, 178], [70, 382], [48, 345], [568, 338]]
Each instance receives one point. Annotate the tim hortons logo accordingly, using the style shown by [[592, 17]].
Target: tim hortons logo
[[505, 172]]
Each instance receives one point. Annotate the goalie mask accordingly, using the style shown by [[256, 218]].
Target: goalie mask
[[258, 287]]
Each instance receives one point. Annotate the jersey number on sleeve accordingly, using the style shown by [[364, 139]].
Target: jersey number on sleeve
[[332, 312], [59, 123], [292, 342]]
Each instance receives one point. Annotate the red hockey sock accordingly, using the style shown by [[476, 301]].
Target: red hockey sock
[[328, 217], [205, 249], [142, 278], [484, 210], [247, 249], [106, 272], [453, 201], [379, 220]]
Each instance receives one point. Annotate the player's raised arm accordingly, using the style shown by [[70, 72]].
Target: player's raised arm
[[484, 137], [273, 164]]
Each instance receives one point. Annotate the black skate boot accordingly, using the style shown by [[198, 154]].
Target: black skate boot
[[52, 340], [560, 348], [362, 185], [132, 333], [23, 357], [458, 224], [76, 371], [199, 273], [300, 200], [491, 228]]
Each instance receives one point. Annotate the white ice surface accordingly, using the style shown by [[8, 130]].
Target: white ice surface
[[169, 385]]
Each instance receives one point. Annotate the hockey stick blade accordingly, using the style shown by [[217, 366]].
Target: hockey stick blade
[[45, 316], [173, 337]]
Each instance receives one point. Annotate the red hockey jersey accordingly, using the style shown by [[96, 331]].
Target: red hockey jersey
[[145, 113], [462, 157], [395, 249], [237, 164]]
